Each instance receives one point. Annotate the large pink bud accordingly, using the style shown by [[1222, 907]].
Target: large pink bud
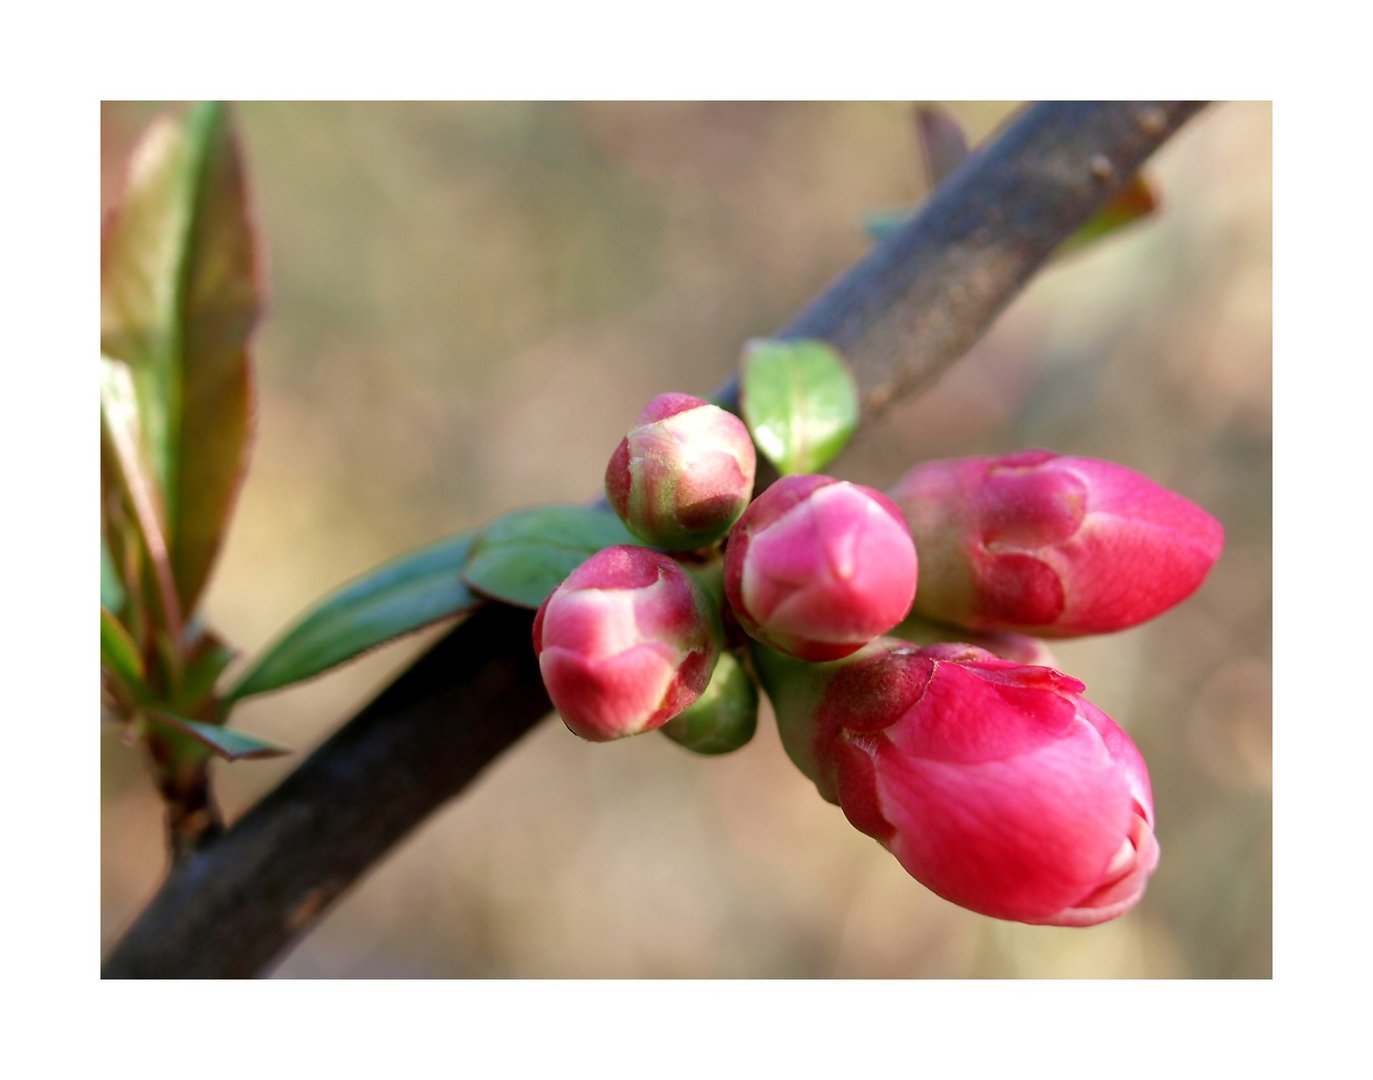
[[997, 786], [626, 643], [818, 567], [1052, 545], [683, 474]]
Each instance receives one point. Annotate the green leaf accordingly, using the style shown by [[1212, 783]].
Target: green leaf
[[399, 597], [229, 744], [206, 658], [112, 592], [118, 653], [179, 299], [799, 401], [520, 558], [880, 224], [1137, 200]]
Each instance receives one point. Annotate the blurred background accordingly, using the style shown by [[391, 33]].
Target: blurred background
[[470, 302]]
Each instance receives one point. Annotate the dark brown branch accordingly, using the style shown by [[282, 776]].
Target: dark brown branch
[[900, 317]]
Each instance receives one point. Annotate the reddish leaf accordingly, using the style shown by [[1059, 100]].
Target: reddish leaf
[[1138, 199], [179, 299], [943, 143]]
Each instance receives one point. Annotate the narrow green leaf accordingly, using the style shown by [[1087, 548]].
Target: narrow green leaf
[[880, 224], [399, 597], [799, 401], [118, 653], [229, 744], [112, 592], [179, 299], [521, 558]]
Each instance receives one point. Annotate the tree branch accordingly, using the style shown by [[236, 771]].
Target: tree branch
[[901, 316]]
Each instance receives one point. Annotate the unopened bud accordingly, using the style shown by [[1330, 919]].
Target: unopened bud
[[1052, 545], [995, 785], [626, 643], [818, 567], [683, 474]]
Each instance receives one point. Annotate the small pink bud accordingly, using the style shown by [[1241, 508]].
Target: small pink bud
[[626, 643], [1052, 545], [997, 786], [683, 474], [818, 567]]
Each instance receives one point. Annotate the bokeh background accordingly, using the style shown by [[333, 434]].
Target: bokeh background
[[471, 301]]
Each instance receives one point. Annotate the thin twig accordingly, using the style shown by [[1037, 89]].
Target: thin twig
[[900, 317]]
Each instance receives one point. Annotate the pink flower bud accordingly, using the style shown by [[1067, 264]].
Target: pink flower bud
[[818, 567], [626, 643], [1052, 545], [997, 786], [683, 474]]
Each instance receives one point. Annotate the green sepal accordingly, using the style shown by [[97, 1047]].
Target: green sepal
[[724, 718]]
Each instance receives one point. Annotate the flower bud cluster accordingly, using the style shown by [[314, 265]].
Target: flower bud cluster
[[980, 766], [816, 567]]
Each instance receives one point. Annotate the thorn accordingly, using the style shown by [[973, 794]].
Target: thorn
[[1153, 121]]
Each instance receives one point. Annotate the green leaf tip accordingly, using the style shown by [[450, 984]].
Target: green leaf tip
[[229, 744], [399, 597], [522, 557]]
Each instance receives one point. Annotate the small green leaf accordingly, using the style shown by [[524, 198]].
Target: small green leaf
[[229, 744], [179, 298], [520, 558], [799, 401], [880, 224], [399, 597], [118, 653], [1137, 200]]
